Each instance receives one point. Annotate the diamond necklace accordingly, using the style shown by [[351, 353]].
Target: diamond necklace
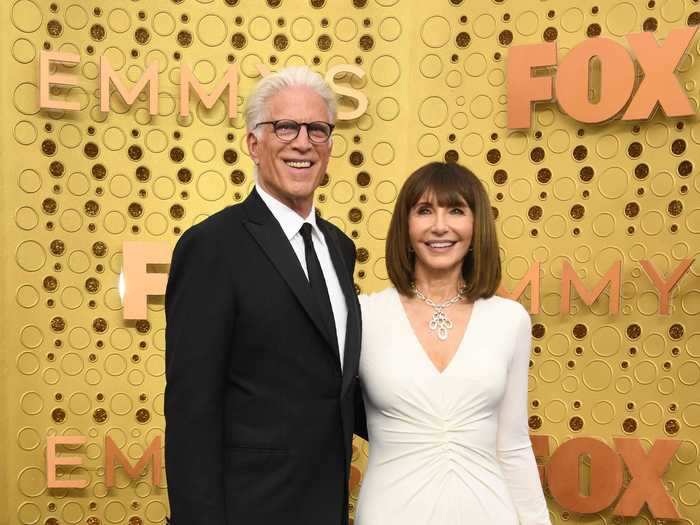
[[439, 322]]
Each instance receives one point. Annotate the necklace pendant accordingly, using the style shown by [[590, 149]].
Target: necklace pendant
[[440, 323]]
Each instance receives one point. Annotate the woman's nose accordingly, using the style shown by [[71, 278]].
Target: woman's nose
[[439, 222]]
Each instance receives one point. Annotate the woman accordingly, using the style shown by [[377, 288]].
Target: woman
[[444, 369]]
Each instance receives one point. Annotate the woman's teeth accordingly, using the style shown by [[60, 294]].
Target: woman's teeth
[[442, 244]]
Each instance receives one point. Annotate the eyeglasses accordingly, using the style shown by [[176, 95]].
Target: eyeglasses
[[287, 130]]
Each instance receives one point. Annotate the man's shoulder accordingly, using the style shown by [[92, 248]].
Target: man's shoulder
[[218, 229]]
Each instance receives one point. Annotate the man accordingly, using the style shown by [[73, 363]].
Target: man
[[263, 334]]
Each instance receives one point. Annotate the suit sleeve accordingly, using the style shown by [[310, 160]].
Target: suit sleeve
[[199, 316], [514, 450], [360, 423]]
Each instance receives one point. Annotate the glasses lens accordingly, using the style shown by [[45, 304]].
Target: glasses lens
[[319, 131], [286, 129]]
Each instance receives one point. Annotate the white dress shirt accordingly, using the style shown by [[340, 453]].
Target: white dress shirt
[[291, 223]]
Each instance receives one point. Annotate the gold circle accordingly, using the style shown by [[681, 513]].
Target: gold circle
[[26, 98], [31, 482], [79, 338], [604, 224], [433, 112], [656, 135], [385, 71], [76, 17], [430, 66], [436, 31], [204, 150], [211, 185], [689, 373], [163, 23], [378, 224], [603, 412], [383, 153], [79, 261], [28, 363], [25, 133], [114, 138], [550, 371], [345, 29], [428, 145], [71, 297], [119, 20], [555, 411], [621, 19], [28, 439], [481, 106], [387, 108], [212, 30], [29, 181], [343, 192], [484, 25], [26, 218], [624, 385], [597, 375], [30, 256], [390, 29], [155, 365], [645, 372], [527, 23], [559, 141], [31, 403], [156, 223], [385, 192], [302, 29], [516, 143], [120, 186], [513, 227], [121, 404], [613, 182], [259, 28], [26, 16], [72, 364]]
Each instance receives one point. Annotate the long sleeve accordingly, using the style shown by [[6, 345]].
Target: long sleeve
[[515, 453], [199, 314]]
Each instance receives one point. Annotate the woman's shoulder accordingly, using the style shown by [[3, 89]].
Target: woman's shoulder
[[377, 299], [504, 308]]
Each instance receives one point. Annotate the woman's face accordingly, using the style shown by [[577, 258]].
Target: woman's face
[[440, 236]]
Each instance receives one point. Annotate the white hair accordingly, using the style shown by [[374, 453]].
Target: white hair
[[256, 105]]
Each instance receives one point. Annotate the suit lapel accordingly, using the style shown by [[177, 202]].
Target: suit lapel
[[352, 344], [269, 235]]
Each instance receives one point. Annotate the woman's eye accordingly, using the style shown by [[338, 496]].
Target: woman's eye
[[457, 211], [423, 211]]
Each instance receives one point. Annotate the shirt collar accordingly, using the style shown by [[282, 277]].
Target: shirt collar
[[288, 219]]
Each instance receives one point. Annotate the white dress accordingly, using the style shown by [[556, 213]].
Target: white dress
[[448, 448]]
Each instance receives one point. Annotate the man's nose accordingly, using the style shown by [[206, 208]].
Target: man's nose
[[302, 139]]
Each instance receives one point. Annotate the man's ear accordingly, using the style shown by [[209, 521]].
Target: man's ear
[[252, 141]]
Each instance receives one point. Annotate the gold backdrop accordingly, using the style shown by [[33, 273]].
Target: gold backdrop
[[76, 185]]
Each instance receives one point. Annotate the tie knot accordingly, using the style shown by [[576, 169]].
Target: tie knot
[[305, 231]]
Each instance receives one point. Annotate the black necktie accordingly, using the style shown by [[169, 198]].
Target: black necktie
[[317, 282]]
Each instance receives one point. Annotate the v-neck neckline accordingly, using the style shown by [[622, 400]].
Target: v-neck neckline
[[419, 345]]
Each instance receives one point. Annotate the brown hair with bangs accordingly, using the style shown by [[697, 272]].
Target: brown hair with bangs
[[452, 185]]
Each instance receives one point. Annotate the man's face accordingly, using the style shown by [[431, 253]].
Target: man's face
[[291, 171]]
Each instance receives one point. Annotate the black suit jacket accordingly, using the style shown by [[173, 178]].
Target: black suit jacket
[[259, 417]]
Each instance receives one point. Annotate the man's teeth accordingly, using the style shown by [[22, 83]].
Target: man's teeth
[[440, 244], [298, 164]]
